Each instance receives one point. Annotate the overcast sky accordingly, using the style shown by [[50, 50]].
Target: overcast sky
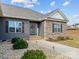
[[69, 7]]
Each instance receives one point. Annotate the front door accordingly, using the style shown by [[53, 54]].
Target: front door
[[34, 29]]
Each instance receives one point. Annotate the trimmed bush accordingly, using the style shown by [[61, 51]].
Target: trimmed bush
[[19, 43], [16, 39], [33, 54]]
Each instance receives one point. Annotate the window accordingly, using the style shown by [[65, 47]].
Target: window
[[15, 26], [57, 27], [33, 30], [18, 26]]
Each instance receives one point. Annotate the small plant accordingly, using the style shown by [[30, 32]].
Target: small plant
[[68, 38], [64, 38], [14, 40], [19, 43], [33, 54], [60, 38]]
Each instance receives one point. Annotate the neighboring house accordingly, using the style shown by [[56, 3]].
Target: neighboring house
[[29, 24], [73, 32], [73, 29], [75, 25]]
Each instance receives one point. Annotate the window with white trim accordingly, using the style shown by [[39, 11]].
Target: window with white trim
[[57, 27], [15, 26]]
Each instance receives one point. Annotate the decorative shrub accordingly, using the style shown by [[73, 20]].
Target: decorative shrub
[[68, 38], [33, 54], [64, 38], [16, 39], [19, 43], [60, 38]]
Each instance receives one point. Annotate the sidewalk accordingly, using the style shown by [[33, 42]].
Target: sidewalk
[[63, 49]]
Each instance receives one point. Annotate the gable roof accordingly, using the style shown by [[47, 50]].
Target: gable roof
[[25, 13], [18, 12], [57, 14]]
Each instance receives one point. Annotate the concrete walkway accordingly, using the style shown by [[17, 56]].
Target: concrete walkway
[[63, 49]]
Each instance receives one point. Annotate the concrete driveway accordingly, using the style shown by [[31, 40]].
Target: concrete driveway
[[63, 49]]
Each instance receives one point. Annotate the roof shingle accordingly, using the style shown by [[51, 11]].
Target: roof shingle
[[18, 12]]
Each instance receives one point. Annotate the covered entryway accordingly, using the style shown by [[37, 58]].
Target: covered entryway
[[35, 30]]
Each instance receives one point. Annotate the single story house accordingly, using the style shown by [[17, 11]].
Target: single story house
[[75, 25], [73, 32], [25, 23]]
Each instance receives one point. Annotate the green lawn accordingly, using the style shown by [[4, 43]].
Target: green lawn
[[72, 43]]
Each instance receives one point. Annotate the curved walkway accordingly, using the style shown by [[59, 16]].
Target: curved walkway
[[63, 49]]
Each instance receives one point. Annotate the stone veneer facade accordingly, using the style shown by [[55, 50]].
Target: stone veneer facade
[[48, 33]]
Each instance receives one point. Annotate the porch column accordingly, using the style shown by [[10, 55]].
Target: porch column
[[45, 30], [37, 31]]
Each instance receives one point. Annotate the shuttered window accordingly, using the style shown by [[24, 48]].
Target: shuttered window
[[6, 26], [15, 26], [22, 27]]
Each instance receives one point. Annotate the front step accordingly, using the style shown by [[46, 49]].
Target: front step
[[36, 38]]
